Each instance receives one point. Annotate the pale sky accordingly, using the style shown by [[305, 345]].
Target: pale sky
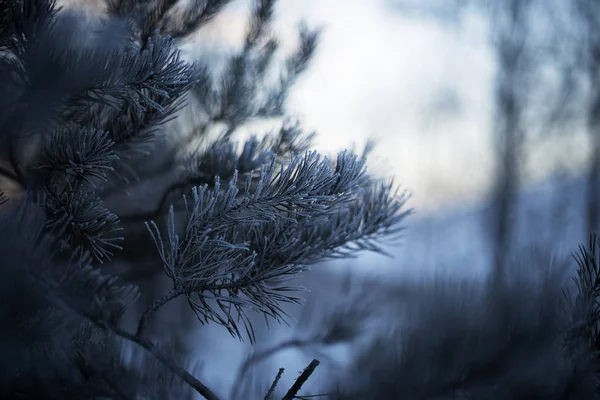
[[422, 88], [379, 73]]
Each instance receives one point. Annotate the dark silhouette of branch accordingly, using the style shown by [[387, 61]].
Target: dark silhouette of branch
[[201, 388], [9, 174], [291, 394], [258, 357], [270, 392]]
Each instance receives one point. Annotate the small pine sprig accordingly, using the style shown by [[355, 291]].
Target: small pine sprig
[[157, 89], [83, 222], [23, 21], [583, 331], [71, 281], [290, 139], [79, 154], [588, 287], [23, 25], [243, 91], [172, 17], [193, 17], [221, 158], [294, 66]]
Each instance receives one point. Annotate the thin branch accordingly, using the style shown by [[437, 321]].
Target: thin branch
[[269, 394], [258, 357], [160, 209], [8, 174], [291, 394], [155, 306], [179, 371], [89, 369], [147, 345], [173, 294]]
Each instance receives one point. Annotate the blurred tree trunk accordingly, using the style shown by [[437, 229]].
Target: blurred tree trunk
[[593, 118], [510, 24], [587, 21]]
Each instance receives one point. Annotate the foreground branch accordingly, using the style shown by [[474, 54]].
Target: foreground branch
[[179, 371], [291, 394], [147, 345], [269, 394], [258, 357]]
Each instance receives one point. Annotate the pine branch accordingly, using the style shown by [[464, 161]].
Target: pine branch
[[80, 154], [221, 161], [295, 65], [168, 80], [78, 287], [154, 307], [239, 94], [145, 87], [293, 218], [585, 324], [86, 225], [23, 22], [197, 14]]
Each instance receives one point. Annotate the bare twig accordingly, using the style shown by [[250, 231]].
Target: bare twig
[[258, 357], [291, 394], [269, 394]]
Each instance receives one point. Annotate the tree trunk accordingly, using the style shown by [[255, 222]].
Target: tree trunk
[[506, 186], [593, 186]]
